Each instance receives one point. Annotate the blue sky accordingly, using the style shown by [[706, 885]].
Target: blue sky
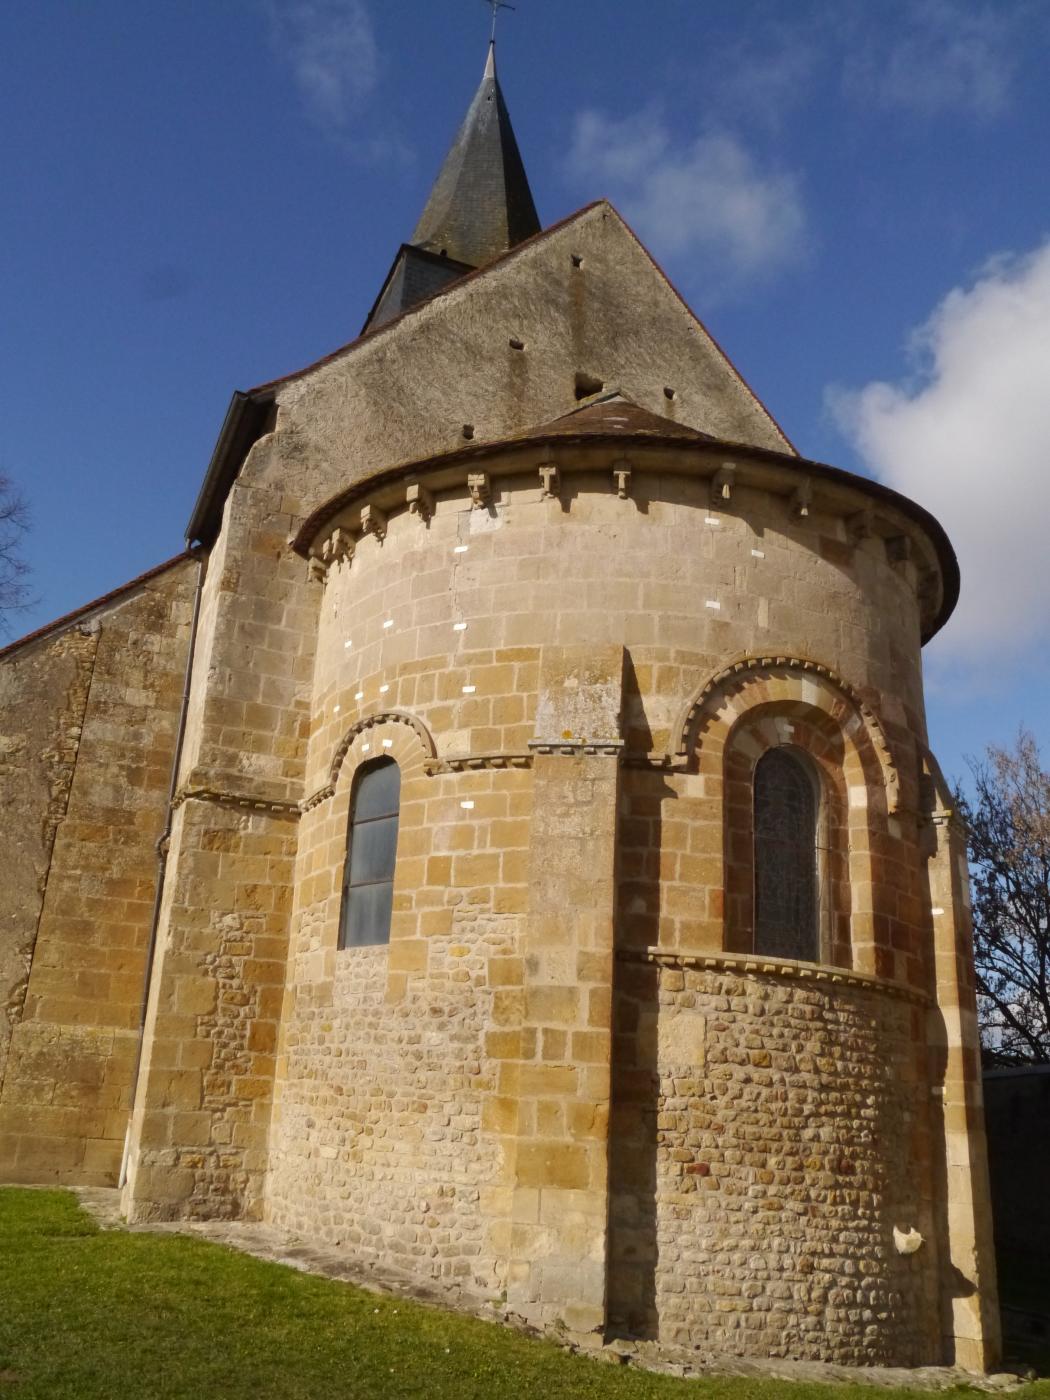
[[853, 196]]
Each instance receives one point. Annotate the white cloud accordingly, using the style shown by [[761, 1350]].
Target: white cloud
[[936, 56], [707, 197], [969, 438], [331, 48]]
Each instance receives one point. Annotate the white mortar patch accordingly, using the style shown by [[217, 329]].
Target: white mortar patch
[[681, 1038], [483, 522]]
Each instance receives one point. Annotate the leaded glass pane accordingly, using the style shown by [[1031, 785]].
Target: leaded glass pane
[[786, 902], [378, 791], [372, 850], [368, 911], [368, 878]]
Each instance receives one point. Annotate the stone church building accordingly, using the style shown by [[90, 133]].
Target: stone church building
[[504, 845]]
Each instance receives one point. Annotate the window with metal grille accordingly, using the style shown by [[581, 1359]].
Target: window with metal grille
[[371, 851], [787, 903]]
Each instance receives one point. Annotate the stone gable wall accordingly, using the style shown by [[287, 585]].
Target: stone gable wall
[[406, 393]]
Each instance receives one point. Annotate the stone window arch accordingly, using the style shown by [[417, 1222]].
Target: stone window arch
[[783, 769], [789, 846], [758, 703], [371, 854]]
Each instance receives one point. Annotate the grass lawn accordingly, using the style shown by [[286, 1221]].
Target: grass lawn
[[108, 1315]]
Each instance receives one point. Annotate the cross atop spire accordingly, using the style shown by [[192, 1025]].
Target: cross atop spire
[[496, 6]]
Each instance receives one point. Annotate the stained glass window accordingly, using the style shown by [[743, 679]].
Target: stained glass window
[[368, 877], [786, 901]]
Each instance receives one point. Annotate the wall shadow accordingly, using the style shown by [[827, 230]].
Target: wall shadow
[[633, 1127]]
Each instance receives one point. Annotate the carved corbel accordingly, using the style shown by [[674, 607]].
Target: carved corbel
[[802, 499], [861, 526], [480, 489], [622, 478], [373, 522], [420, 501], [317, 569], [898, 549], [722, 484], [339, 546], [550, 481], [929, 590]]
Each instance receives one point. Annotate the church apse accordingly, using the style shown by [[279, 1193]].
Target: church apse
[[643, 1002]]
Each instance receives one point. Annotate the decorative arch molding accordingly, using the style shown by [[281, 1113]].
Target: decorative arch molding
[[717, 694], [422, 733]]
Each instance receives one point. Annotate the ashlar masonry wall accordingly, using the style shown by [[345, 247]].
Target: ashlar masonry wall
[[198, 1138], [389, 1057], [91, 713]]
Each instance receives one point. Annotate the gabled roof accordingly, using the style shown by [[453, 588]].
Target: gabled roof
[[481, 203]]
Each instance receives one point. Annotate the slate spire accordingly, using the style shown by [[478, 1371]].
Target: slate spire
[[481, 204], [480, 207]]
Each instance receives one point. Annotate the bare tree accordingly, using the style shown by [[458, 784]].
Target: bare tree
[[14, 521], [1008, 817]]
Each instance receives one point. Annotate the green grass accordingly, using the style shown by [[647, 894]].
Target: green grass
[[109, 1315]]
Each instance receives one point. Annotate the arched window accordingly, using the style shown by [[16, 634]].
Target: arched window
[[371, 850], [787, 904]]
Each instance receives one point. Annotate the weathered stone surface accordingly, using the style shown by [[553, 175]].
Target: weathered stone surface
[[755, 1190], [90, 715]]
